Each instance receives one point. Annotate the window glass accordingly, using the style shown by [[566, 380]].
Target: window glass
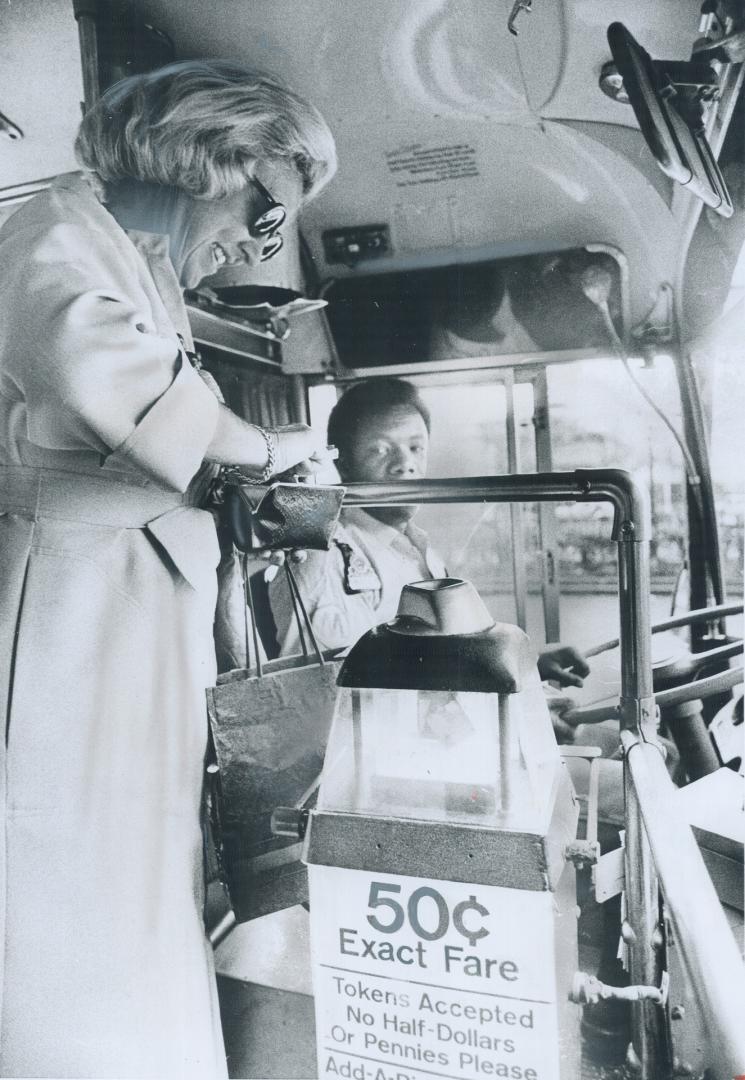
[[469, 438], [720, 359], [321, 400], [600, 420]]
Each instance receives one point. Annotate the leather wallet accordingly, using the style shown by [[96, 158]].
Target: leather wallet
[[281, 515]]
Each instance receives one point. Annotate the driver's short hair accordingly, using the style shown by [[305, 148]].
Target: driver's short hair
[[364, 400]]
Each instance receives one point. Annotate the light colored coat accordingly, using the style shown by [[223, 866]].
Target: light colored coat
[[107, 594]]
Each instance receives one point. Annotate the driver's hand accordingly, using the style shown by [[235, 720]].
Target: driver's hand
[[278, 558], [564, 732], [557, 706], [563, 664]]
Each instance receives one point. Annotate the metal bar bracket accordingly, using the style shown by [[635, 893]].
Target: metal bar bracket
[[639, 714], [582, 853], [609, 875], [587, 990]]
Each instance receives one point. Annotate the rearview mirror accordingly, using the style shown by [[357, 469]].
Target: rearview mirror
[[667, 98]]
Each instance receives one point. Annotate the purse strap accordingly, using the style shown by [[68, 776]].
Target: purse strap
[[250, 625], [249, 616], [300, 610]]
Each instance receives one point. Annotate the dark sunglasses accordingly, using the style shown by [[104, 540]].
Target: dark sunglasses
[[268, 222]]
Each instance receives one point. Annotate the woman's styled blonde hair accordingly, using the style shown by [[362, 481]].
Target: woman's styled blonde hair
[[201, 126]]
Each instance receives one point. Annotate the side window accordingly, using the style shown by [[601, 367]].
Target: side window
[[321, 400], [599, 419], [470, 438], [596, 418], [721, 358]]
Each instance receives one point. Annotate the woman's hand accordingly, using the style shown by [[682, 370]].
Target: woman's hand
[[294, 446], [298, 448]]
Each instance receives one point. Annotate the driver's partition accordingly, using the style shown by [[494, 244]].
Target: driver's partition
[[662, 858]]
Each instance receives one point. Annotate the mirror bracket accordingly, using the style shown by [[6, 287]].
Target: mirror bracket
[[668, 98]]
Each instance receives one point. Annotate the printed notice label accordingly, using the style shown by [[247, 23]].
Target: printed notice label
[[417, 163], [415, 979]]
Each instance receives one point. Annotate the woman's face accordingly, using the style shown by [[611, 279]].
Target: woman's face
[[218, 232]]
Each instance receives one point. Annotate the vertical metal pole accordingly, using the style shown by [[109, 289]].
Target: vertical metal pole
[[637, 695], [507, 734], [299, 399], [546, 511], [516, 510], [86, 12], [642, 931], [357, 749]]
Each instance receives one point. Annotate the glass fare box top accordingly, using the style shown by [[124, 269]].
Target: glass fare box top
[[441, 716]]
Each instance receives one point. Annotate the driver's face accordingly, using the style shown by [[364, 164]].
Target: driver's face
[[391, 445]]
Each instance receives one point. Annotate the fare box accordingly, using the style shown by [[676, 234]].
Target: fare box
[[415, 978]]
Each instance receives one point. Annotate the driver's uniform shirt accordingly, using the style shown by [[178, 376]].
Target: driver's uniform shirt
[[356, 584]]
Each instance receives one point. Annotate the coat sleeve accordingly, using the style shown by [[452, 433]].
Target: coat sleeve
[[92, 369]]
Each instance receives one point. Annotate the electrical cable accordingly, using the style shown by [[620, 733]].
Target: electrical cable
[[596, 285]]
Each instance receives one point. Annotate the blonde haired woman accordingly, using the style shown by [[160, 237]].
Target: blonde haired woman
[[108, 437]]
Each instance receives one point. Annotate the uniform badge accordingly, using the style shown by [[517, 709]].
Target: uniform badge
[[359, 575]]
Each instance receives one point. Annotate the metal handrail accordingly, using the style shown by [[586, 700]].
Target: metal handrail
[[607, 708], [713, 684], [711, 957], [615, 486], [688, 618], [710, 953]]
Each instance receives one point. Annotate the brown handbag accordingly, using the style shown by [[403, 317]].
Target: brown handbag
[[269, 729]]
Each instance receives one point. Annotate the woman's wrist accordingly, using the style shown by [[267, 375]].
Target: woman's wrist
[[244, 446], [262, 452], [271, 441]]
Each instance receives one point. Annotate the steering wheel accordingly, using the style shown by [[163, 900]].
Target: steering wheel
[[685, 666]]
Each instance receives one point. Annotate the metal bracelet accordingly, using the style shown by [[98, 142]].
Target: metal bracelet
[[270, 438]]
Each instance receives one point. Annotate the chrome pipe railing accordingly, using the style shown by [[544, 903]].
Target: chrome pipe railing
[[688, 618], [710, 953], [583, 485], [713, 684], [638, 724]]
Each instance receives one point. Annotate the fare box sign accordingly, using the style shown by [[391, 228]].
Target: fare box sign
[[415, 979]]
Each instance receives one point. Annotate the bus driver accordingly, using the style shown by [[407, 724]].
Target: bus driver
[[381, 429]]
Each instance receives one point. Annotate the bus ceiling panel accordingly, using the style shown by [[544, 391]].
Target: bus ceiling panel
[[666, 28], [362, 61], [472, 191], [40, 90]]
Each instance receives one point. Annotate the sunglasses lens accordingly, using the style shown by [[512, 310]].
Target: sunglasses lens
[[269, 221], [271, 247]]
